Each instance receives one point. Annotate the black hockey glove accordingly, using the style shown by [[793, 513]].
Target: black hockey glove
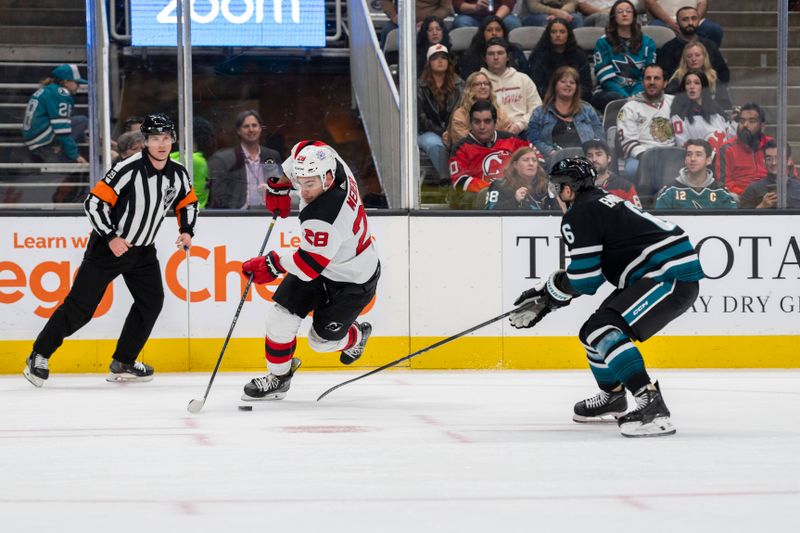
[[534, 304]]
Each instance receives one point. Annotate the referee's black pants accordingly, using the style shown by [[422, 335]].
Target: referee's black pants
[[142, 274]]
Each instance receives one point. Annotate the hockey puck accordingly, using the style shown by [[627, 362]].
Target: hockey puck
[[245, 407]]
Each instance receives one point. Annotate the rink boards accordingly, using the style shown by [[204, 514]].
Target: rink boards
[[440, 276]]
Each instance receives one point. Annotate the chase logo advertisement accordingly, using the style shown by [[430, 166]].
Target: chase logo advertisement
[[282, 23]]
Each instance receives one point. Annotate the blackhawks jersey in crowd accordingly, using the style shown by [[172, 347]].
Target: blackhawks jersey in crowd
[[47, 117], [611, 239], [475, 165], [642, 124], [680, 195], [335, 240], [623, 188]]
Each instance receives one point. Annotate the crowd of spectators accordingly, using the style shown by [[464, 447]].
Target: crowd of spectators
[[555, 97], [494, 118]]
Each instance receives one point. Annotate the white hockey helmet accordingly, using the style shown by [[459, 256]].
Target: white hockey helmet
[[313, 158]]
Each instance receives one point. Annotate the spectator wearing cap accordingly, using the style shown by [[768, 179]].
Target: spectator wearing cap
[[516, 93], [49, 130], [438, 92]]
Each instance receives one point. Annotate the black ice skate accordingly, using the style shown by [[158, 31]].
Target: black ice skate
[[351, 355], [602, 407], [36, 369], [270, 387], [650, 418], [119, 372]]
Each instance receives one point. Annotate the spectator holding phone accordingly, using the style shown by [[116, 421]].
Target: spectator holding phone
[[763, 194]]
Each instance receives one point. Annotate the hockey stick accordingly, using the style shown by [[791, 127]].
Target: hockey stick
[[418, 352], [188, 306], [196, 405]]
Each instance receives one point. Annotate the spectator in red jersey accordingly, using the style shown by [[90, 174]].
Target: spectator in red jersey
[[599, 154], [480, 157], [740, 161]]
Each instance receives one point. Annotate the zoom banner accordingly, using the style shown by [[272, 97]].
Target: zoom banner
[[278, 23]]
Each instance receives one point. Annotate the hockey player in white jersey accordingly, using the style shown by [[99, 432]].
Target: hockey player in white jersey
[[333, 273]]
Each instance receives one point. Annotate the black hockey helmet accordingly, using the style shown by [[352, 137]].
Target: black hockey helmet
[[157, 124], [577, 172]]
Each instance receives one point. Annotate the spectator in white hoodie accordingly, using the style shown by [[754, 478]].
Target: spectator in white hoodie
[[516, 93]]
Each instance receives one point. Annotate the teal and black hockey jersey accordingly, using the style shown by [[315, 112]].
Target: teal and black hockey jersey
[[611, 239], [47, 118], [710, 195], [622, 72]]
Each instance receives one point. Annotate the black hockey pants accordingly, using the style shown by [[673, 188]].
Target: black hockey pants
[[142, 274]]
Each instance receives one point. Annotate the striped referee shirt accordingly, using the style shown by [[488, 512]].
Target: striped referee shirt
[[133, 198]]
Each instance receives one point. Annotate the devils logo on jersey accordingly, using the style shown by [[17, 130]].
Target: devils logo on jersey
[[493, 164]]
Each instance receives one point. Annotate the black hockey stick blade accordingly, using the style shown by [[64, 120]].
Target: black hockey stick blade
[[418, 352], [195, 405]]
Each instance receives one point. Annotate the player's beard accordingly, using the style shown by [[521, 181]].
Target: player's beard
[[689, 30]]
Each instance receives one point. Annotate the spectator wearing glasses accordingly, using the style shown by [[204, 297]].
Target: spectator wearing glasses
[[740, 160], [476, 88], [620, 56], [763, 194]]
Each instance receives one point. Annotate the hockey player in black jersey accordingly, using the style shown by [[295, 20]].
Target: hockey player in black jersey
[[655, 270]]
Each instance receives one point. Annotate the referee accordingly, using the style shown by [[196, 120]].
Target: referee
[[125, 209]]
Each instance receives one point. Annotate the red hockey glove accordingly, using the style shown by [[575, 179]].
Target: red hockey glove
[[277, 198], [264, 268]]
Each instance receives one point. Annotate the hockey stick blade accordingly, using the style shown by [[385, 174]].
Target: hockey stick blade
[[418, 352], [195, 405]]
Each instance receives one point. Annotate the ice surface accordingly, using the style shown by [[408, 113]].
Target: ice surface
[[397, 452]]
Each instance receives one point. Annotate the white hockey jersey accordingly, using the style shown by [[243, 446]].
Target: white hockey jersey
[[643, 124], [335, 241], [716, 131]]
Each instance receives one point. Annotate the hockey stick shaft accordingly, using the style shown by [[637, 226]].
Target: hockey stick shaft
[[418, 352], [188, 304], [238, 310]]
